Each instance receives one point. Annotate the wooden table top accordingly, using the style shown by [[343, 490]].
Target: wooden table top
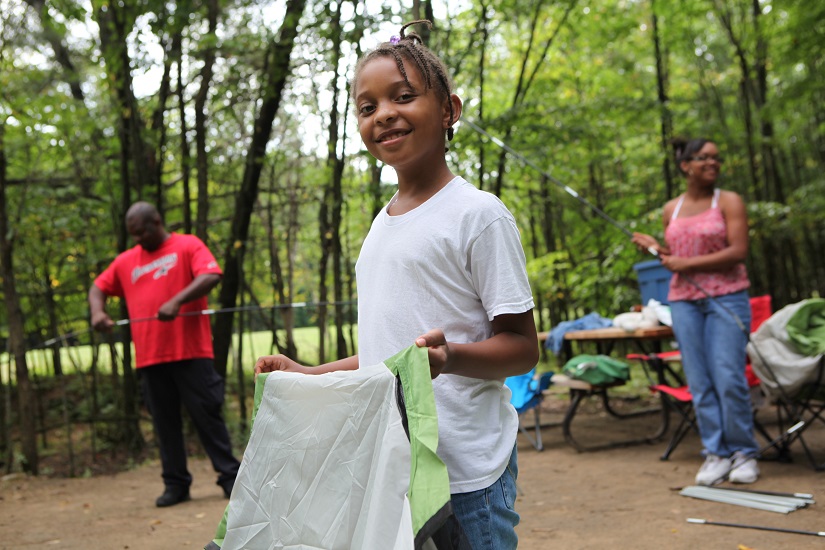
[[615, 333]]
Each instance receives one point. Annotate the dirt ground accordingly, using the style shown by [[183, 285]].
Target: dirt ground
[[621, 498]]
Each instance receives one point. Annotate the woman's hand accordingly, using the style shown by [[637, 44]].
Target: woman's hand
[[271, 363], [676, 264], [438, 352], [645, 242]]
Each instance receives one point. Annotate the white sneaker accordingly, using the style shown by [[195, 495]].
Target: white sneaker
[[713, 471], [744, 469]]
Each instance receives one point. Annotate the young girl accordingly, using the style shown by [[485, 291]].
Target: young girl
[[443, 267]]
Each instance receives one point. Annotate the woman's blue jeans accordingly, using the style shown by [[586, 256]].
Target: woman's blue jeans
[[712, 345], [487, 516]]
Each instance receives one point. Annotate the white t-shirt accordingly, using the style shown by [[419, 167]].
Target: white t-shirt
[[454, 263]]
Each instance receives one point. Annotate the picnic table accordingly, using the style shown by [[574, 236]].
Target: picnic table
[[648, 341]]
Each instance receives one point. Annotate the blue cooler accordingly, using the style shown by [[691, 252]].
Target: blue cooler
[[654, 280]]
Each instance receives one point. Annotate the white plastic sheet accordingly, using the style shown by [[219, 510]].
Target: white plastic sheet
[[327, 466]]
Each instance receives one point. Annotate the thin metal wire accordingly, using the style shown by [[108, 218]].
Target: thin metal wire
[[122, 322], [573, 193], [566, 188]]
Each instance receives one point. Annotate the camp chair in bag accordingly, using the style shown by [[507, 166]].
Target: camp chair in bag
[[676, 394], [527, 395], [788, 353]]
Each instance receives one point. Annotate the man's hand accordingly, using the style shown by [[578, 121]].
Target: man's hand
[[169, 310], [271, 363], [102, 322], [438, 351]]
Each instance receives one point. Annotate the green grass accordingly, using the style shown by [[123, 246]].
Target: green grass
[[255, 344]]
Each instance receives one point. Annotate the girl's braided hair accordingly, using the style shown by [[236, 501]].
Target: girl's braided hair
[[409, 46]]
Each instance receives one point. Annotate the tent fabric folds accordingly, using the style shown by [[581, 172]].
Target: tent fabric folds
[[776, 358], [806, 327], [329, 463]]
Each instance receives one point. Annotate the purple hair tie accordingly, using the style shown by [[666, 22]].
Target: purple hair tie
[[395, 39]]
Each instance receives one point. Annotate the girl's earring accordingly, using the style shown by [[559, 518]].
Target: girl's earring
[[450, 133]]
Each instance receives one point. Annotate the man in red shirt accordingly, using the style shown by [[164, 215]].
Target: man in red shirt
[[164, 276]]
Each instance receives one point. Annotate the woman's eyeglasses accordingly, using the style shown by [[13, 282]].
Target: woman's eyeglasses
[[705, 158]]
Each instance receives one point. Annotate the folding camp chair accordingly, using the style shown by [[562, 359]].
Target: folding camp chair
[[794, 378], [807, 406], [527, 395], [676, 394]]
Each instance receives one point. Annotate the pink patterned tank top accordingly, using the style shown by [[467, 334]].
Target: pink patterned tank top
[[698, 235]]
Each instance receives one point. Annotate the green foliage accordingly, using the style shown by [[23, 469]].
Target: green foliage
[[571, 87]]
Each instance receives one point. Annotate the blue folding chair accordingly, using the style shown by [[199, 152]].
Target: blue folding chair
[[527, 394]]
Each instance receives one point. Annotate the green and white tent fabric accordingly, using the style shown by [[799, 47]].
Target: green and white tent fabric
[[329, 463], [774, 349]]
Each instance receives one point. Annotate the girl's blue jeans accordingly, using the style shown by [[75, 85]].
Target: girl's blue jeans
[[487, 516], [713, 357]]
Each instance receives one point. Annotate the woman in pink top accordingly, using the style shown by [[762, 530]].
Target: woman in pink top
[[706, 231]]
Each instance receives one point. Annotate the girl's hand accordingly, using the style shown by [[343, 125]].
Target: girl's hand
[[271, 363], [438, 352], [645, 242]]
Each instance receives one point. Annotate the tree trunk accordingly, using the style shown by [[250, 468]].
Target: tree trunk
[[292, 225], [138, 165], [323, 291], [274, 77], [202, 157], [54, 329], [185, 155], [427, 10], [750, 102], [525, 80], [239, 370], [482, 67], [666, 116], [14, 318], [753, 86], [159, 114], [335, 165], [276, 271], [374, 187], [61, 52], [6, 448], [115, 23], [536, 250]]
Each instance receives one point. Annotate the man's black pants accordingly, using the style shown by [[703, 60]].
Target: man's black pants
[[195, 384]]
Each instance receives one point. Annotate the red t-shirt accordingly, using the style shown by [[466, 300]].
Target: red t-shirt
[[147, 280]]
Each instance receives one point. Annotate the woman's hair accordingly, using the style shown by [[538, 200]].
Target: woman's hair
[[410, 47], [684, 149]]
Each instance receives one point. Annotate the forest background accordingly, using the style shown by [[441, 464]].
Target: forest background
[[234, 118]]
